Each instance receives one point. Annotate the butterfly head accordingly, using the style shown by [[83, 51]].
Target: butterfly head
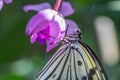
[[73, 37], [77, 32]]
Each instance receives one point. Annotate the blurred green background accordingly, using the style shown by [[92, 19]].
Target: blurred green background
[[20, 60]]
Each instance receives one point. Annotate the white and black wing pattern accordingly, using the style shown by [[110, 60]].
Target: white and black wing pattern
[[96, 70], [74, 61]]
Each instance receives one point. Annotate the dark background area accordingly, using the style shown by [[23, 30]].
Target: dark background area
[[20, 60]]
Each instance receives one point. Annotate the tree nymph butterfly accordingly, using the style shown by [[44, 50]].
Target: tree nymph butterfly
[[74, 60]]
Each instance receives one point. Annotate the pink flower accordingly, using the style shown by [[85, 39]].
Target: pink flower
[[48, 26], [4, 1]]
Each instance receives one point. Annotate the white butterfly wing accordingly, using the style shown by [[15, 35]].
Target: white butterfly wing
[[76, 62]]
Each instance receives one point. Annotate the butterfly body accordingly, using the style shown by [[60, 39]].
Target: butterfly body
[[74, 60]]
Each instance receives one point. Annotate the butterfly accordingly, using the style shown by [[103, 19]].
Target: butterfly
[[74, 60]]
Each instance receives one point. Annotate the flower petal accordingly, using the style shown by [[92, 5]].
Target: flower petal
[[1, 4], [63, 26], [57, 31], [66, 9], [61, 21], [72, 26], [36, 7], [8, 1], [40, 21], [54, 30], [57, 25], [45, 34], [33, 38], [33, 22], [41, 41], [50, 47]]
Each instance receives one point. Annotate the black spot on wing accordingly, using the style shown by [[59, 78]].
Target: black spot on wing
[[79, 63], [91, 74], [95, 58], [76, 78], [84, 78]]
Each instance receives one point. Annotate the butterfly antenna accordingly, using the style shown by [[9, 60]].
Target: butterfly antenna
[[66, 29]]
